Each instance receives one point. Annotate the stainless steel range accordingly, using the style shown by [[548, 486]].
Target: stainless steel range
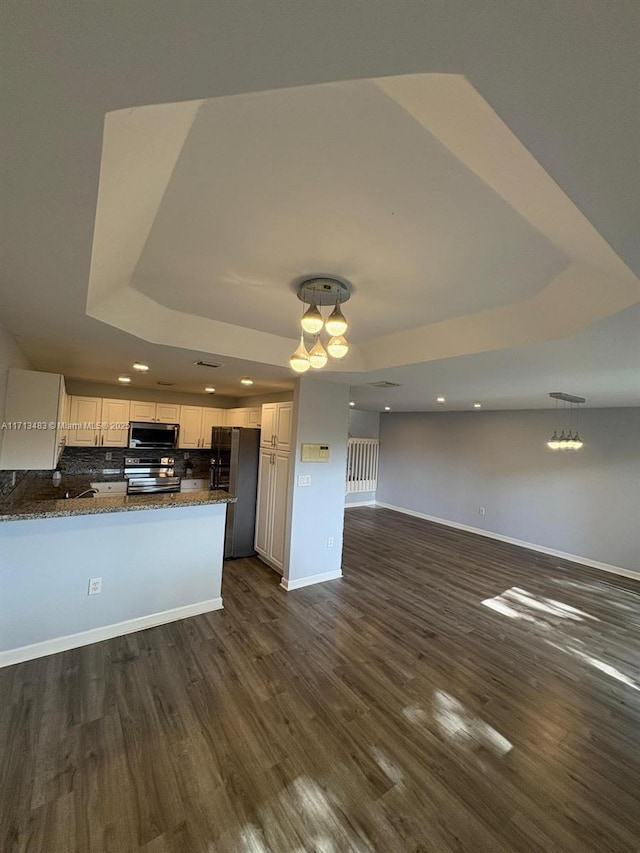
[[149, 474]]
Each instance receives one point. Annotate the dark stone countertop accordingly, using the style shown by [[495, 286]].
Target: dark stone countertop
[[28, 506]]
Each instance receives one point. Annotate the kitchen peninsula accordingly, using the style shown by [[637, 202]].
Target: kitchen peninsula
[[154, 558]]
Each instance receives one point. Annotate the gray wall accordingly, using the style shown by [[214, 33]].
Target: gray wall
[[586, 503], [363, 424], [316, 511]]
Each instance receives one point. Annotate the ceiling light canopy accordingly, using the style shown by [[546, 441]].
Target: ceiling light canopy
[[210, 389], [352, 403], [387, 408], [316, 293], [441, 400], [477, 405], [246, 380], [140, 367], [124, 379]]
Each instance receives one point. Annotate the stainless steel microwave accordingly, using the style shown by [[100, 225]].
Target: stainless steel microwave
[[153, 435]]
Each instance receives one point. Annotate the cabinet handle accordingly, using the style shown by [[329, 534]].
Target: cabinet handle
[[95, 439]]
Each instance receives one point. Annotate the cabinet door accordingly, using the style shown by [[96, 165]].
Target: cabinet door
[[210, 418], [84, 410], [235, 418], [140, 411], [115, 412], [254, 417], [284, 422], [190, 427], [263, 505], [167, 413], [279, 500], [268, 427]]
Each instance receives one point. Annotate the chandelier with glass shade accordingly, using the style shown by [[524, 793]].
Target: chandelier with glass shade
[[318, 293], [566, 439]]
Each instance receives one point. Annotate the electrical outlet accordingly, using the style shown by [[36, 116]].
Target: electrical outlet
[[304, 479], [330, 542], [108, 456], [95, 586], [186, 454], [480, 510]]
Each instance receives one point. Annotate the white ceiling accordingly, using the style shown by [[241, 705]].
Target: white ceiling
[[244, 198], [340, 177]]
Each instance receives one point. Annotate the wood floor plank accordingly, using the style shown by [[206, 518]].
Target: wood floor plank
[[451, 694]]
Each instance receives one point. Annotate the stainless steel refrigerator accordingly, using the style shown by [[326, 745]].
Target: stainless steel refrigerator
[[234, 468]]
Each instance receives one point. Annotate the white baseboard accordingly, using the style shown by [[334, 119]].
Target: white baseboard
[[106, 632], [309, 580], [359, 503], [573, 558]]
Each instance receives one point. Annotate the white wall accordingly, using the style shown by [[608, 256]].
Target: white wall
[[155, 565], [447, 465], [10, 356], [317, 511]]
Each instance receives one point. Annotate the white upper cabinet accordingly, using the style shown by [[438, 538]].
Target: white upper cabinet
[[115, 421], [268, 432], [190, 427], [235, 417], [276, 425], [84, 417], [142, 411], [164, 413], [35, 409], [167, 413]]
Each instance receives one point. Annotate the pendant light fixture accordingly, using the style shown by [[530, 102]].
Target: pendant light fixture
[[300, 361], [567, 440], [336, 323], [316, 293], [318, 355], [338, 347], [312, 321]]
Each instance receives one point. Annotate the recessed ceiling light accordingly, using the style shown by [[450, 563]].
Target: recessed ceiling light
[[246, 380], [387, 408], [351, 402], [441, 399], [124, 379], [210, 389], [140, 367], [477, 405]]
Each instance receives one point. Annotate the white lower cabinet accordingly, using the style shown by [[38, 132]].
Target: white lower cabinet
[[271, 508]]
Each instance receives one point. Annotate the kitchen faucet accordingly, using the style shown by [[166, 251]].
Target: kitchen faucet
[[82, 494]]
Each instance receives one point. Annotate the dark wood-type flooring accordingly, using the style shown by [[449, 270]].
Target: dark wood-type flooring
[[388, 711]]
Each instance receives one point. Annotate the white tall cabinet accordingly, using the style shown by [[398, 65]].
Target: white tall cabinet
[[273, 483]]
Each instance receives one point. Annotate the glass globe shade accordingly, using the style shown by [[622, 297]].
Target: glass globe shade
[[299, 360], [338, 347], [312, 320], [318, 355], [336, 323]]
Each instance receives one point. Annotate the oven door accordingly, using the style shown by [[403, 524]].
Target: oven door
[[151, 435]]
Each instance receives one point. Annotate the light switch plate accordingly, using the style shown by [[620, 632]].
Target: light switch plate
[[304, 479]]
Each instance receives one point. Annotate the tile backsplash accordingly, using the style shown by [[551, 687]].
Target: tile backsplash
[[93, 461]]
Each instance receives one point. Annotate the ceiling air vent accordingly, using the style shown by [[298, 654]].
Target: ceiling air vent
[[208, 364], [385, 384], [166, 384]]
